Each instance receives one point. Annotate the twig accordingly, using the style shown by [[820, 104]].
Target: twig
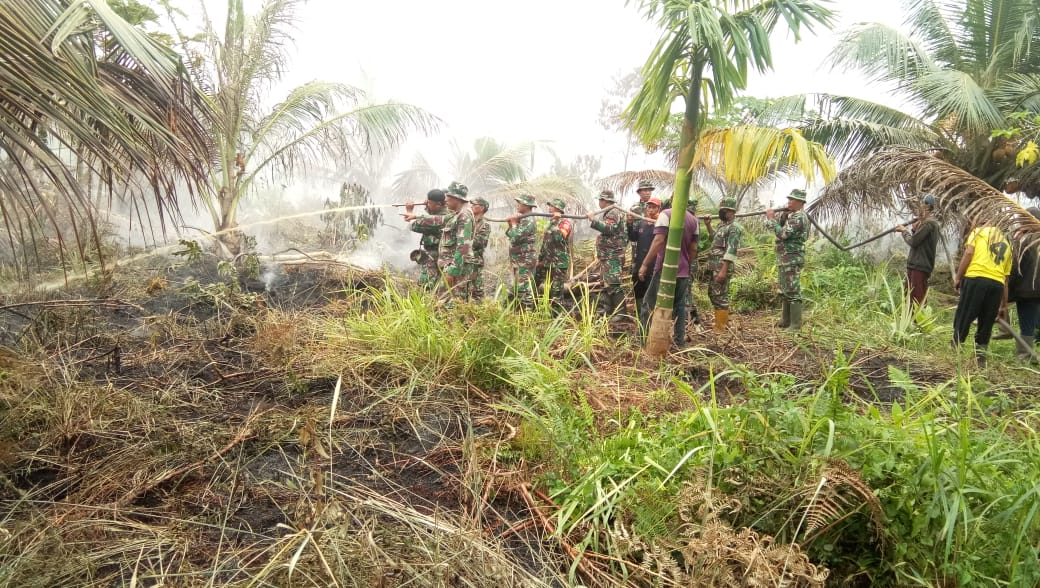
[[77, 302]]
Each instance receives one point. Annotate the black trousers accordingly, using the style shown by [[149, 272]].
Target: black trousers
[[980, 299]]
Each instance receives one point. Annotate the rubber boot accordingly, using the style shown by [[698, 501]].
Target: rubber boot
[[721, 319], [785, 317], [796, 316], [1023, 351]]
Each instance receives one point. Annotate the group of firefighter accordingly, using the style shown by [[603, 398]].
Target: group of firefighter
[[455, 233]]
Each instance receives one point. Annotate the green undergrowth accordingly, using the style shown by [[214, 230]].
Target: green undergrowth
[[936, 488]]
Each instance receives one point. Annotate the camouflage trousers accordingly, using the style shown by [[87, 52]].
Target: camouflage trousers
[[523, 285], [719, 293], [556, 276], [429, 273], [475, 281], [791, 281], [610, 276]]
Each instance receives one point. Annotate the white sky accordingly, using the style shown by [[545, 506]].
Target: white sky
[[517, 71]]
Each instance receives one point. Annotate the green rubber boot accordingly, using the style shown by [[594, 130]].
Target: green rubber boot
[[796, 316], [785, 318]]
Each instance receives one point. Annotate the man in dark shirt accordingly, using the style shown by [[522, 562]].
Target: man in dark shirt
[[922, 237], [641, 234]]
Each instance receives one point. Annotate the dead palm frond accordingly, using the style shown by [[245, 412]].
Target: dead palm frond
[[125, 116], [624, 182], [838, 493], [892, 179]]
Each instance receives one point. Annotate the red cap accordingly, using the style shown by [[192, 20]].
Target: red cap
[[654, 200]]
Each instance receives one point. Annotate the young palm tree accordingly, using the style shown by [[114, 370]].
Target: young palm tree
[[964, 71], [707, 48], [317, 122], [83, 86]]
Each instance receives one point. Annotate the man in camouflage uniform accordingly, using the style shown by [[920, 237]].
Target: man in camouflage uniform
[[641, 234], [428, 225], [610, 252], [522, 234], [791, 230], [456, 241], [554, 259], [481, 234], [721, 259]]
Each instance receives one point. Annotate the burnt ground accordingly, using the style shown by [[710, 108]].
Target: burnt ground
[[215, 356], [258, 433]]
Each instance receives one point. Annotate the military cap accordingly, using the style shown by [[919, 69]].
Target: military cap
[[607, 195], [435, 195], [797, 194], [557, 203], [728, 204], [480, 201], [526, 199], [645, 185], [458, 190]]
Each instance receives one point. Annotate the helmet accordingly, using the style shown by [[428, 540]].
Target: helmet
[[797, 194], [645, 185], [526, 199], [557, 203], [458, 190], [728, 204], [480, 201], [607, 195]]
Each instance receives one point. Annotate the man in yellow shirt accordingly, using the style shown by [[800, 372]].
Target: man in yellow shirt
[[981, 280]]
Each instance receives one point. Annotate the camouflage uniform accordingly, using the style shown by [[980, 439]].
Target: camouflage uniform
[[790, 252], [457, 243], [723, 248], [554, 259], [429, 226], [610, 252], [522, 257], [791, 230], [481, 234]]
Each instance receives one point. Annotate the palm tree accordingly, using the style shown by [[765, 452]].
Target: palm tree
[[966, 71], [82, 86], [317, 122], [494, 170], [707, 48]]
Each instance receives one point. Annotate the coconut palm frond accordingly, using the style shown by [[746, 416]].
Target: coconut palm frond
[[1019, 93], [952, 93], [127, 115], [745, 154], [625, 182], [898, 176], [414, 182], [495, 163], [882, 53], [543, 188]]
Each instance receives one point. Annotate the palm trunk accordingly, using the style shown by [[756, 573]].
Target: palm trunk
[[659, 338]]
